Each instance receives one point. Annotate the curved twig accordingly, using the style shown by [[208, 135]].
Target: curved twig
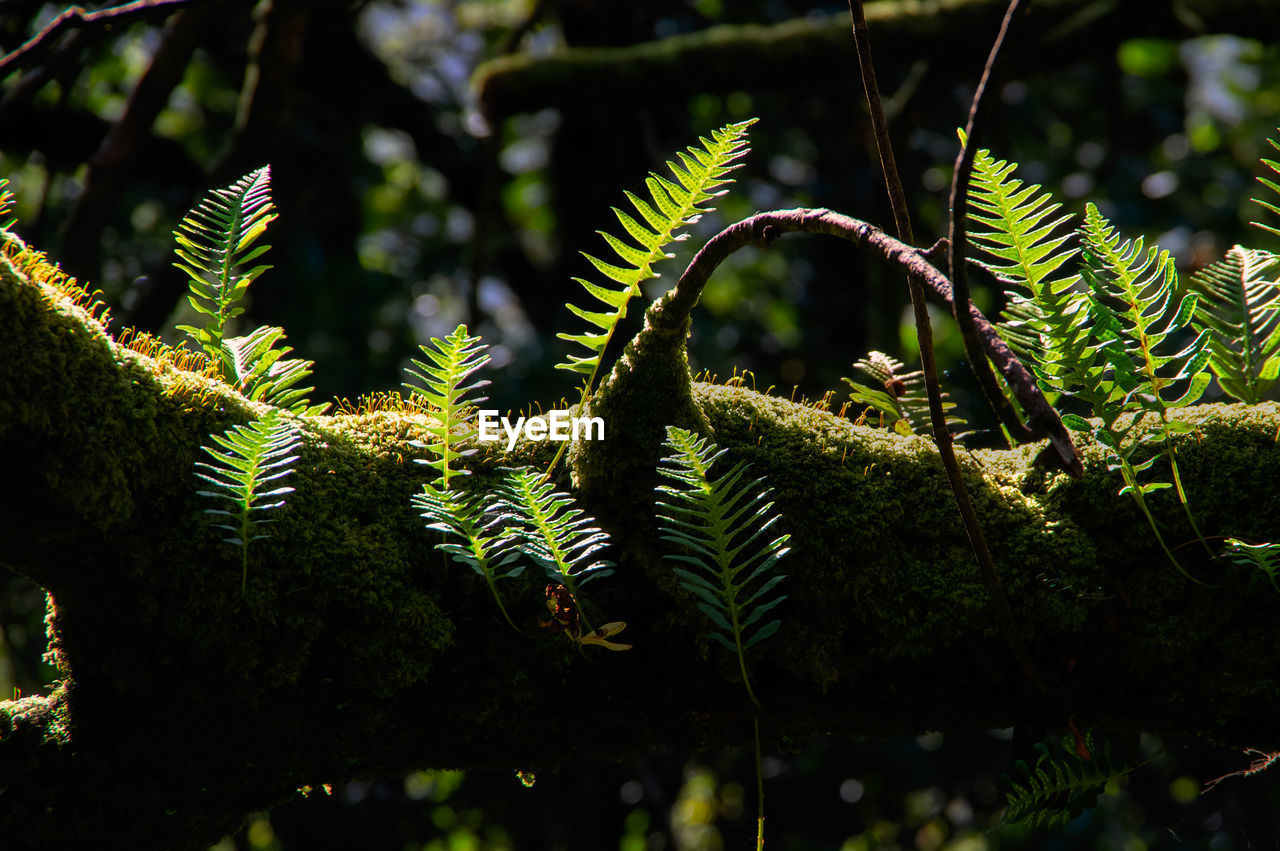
[[669, 312], [978, 110]]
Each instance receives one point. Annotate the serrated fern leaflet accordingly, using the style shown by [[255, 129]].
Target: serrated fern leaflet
[[215, 242], [1239, 306], [726, 529], [256, 457], [469, 519], [441, 388], [699, 174], [552, 531], [1274, 167], [1064, 781]]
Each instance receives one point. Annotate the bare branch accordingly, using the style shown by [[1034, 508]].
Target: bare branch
[[956, 232], [762, 229], [924, 333], [76, 18]]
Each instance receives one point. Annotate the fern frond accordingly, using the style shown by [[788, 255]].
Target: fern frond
[[6, 204], [1274, 167], [468, 518], [552, 531], [1137, 310], [1015, 226], [1239, 306], [725, 525], [442, 391], [1139, 287], [1062, 783], [698, 174], [261, 371], [257, 455], [215, 243], [1263, 557], [900, 395]]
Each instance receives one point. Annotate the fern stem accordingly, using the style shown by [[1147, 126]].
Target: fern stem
[[958, 239], [497, 598], [759, 788], [1131, 479]]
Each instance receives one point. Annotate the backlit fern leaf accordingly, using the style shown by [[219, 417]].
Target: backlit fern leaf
[[1274, 167], [1263, 557], [215, 242], [442, 391], [1027, 244], [552, 531], [1239, 306], [1137, 311], [257, 456], [478, 543], [261, 371], [725, 526], [699, 174]]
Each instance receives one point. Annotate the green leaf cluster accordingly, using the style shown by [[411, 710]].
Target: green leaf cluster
[[726, 529], [673, 204], [441, 390], [1106, 335], [246, 475]]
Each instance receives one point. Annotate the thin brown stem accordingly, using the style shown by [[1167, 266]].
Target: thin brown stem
[[978, 110], [924, 334], [75, 18], [880, 127], [667, 315]]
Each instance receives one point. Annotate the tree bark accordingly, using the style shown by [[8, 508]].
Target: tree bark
[[357, 650], [817, 51]]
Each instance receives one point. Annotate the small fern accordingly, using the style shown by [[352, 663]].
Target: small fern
[[479, 543], [215, 242], [1263, 557], [262, 373], [699, 174], [1274, 167], [1134, 294], [258, 455], [900, 395], [552, 531], [1105, 347], [1064, 781], [442, 391], [720, 522], [1239, 307]]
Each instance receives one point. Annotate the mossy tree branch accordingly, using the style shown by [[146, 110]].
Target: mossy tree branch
[[354, 653], [952, 33]]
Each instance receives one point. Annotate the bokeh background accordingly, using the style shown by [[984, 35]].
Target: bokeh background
[[444, 162]]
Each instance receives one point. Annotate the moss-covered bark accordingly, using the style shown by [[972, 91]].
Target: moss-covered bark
[[184, 705], [818, 49]]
